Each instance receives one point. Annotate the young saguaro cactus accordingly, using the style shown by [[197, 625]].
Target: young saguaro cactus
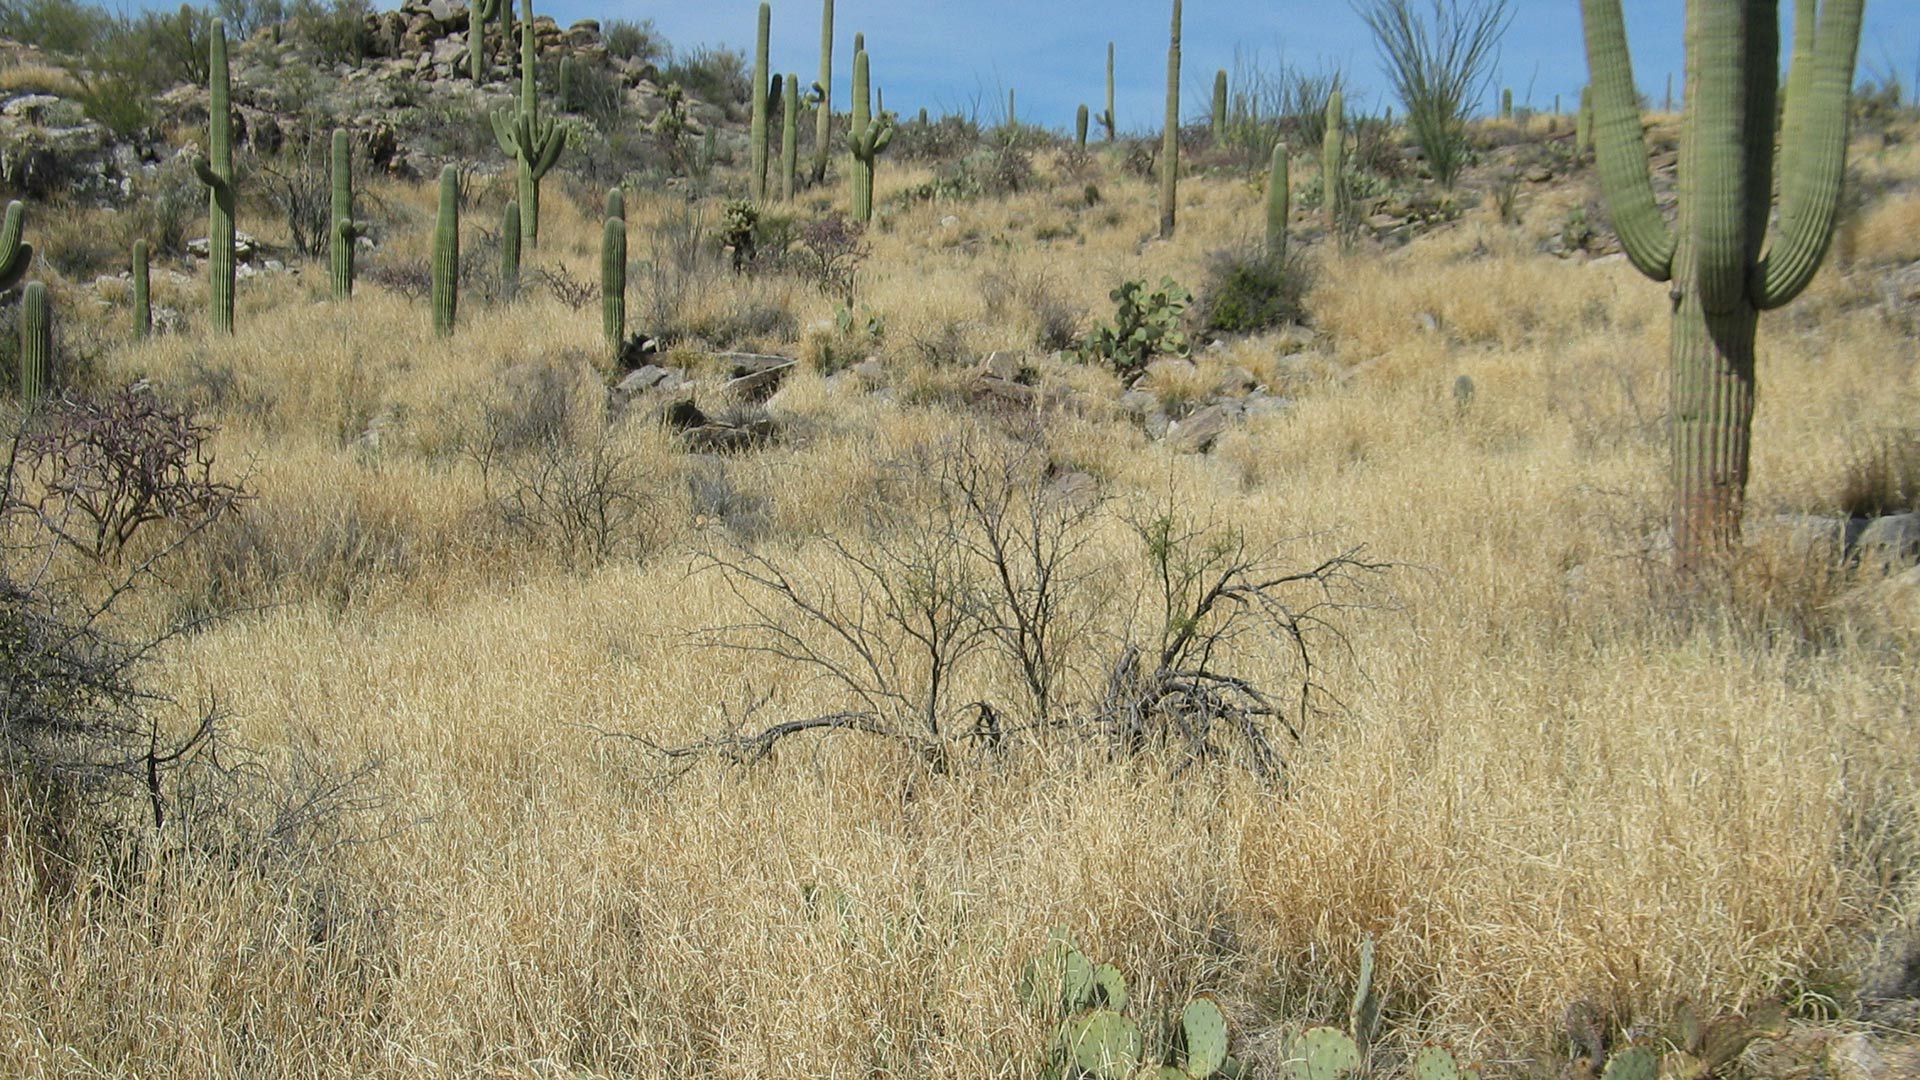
[[867, 138], [479, 14], [613, 282], [216, 171], [789, 137], [1333, 165], [16, 255], [446, 253], [1080, 128], [1170, 135], [36, 342], [823, 89], [510, 248], [345, 233], [533, 142], [1725, 261], [142, 292], [1506, 104], [762, 67], [1220, 104], [1279, 204]]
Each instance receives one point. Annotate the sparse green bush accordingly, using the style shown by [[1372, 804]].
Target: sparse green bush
[[1248, 290], [629, 40], [334, 32], [714, 74]]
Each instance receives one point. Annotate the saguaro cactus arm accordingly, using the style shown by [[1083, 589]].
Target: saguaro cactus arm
[[1814, 150], [15, 255], [1620, 148]]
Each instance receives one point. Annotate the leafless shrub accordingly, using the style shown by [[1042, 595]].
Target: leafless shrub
[[830, 253], [562, 285], [587, 502]]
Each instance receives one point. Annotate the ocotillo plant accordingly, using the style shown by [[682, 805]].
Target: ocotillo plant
[[479, 14], [510, 248], [1107, 118], [1279, 204], [762, 67], [142, 293], [867, 138], [1724, 262], [1170, 137], [1080, 128], [36, 342], [344, 233], [613, 282], [446, 253], [790, 137], [1220, 104], [1333, 166], [217, 173], [15, 254], [823, 115], [534, 143]]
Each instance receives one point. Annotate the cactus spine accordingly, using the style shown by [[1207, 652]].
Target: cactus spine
[[142, 294], [15, 255], [1279, 204], [446, 253], [1170, 136], [217, 174], [762, 67], [344, 233], [867, 138], [1724, 262], [534, 143], [790, 138], [1080, 128], [1220, 104], [1333, 186], [613, 282], [823, 115], [1107, 118], [36, 342], [479, 14], [510, 248]]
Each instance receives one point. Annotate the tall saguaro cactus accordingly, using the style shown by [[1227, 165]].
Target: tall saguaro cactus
[[790, 137], [613, 282], [16, 255], [867, 139], [1107, 120], [216, 172], [142, 291], [1333, 166], [344, 233], [1220, 104], [1279, 204], [36, 342], [1080, 128], [1724, 261], [1170, 137], [479, 14], [534, 143], [823, 114], [762, 68], [446, 253]]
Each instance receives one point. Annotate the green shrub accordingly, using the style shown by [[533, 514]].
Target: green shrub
[[1248, 290], [628, 40], [331, 33], [713, 74]]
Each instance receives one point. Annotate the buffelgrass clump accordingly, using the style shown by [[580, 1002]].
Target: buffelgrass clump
[[1248, 290]]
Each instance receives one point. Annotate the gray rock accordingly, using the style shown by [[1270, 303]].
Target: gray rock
[[1197, 433], [650, 377], [1139, 402], [1002, 365], [1236, 382], [1890, 543], [760, 384]]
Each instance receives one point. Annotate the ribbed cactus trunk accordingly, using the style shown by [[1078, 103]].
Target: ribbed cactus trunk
[[36, 342], [762, 72], [616, 205], [1220, 105], [790, 138], [142, 292], [446, 253], [1170, 135], [1279, 204], [1080, 128], [16, 255], [1333, 167], [1724, 262], [216, 171], [823, 115], [868, 136], [479, 13], [613, 283], [510, 248], [343, 234]]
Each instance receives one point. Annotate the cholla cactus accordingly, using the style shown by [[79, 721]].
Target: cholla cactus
[[533, 142], [1726, 258], [216, 171]]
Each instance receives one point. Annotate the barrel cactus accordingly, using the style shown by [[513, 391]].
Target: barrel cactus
[[1725, 258], [533, 142], [216, 171], [446, 253]]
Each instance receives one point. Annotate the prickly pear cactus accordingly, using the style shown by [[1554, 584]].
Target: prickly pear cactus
[[1633, 1064], [1437, 1063], [1322, 1053], [1203, 1028], [1104, 1043]]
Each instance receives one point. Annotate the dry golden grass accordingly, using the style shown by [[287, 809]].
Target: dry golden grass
[[1554, 780]]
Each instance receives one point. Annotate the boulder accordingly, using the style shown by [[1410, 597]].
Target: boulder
[[1197, 433]]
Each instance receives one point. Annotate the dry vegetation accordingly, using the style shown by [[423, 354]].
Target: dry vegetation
[[1551, 776]]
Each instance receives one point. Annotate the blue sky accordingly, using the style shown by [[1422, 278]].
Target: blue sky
[[954, 54]]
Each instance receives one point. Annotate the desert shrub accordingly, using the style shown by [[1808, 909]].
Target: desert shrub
[[62, 27], [244, 17], [629, 40], [714, 74], [828, 255], [1248, 289], [1145, 324], [939, 140], [334, 32]]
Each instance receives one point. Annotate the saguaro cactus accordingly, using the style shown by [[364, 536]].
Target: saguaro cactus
[[823, 114], [1220, 104], [867, 139], [1170, 136], [510, 248], [789, 137], [217, 173], [1107, 118], [613, 282], [1506, 104], [1013, 114], [1583, 123], [1080, 128], [16, 255], [1333, 166], [534, 143], [1724, 263], [762, 66], [446, 253], [344, 233], [36, 342], [479, 14], [1279, 204], [142, 293]]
